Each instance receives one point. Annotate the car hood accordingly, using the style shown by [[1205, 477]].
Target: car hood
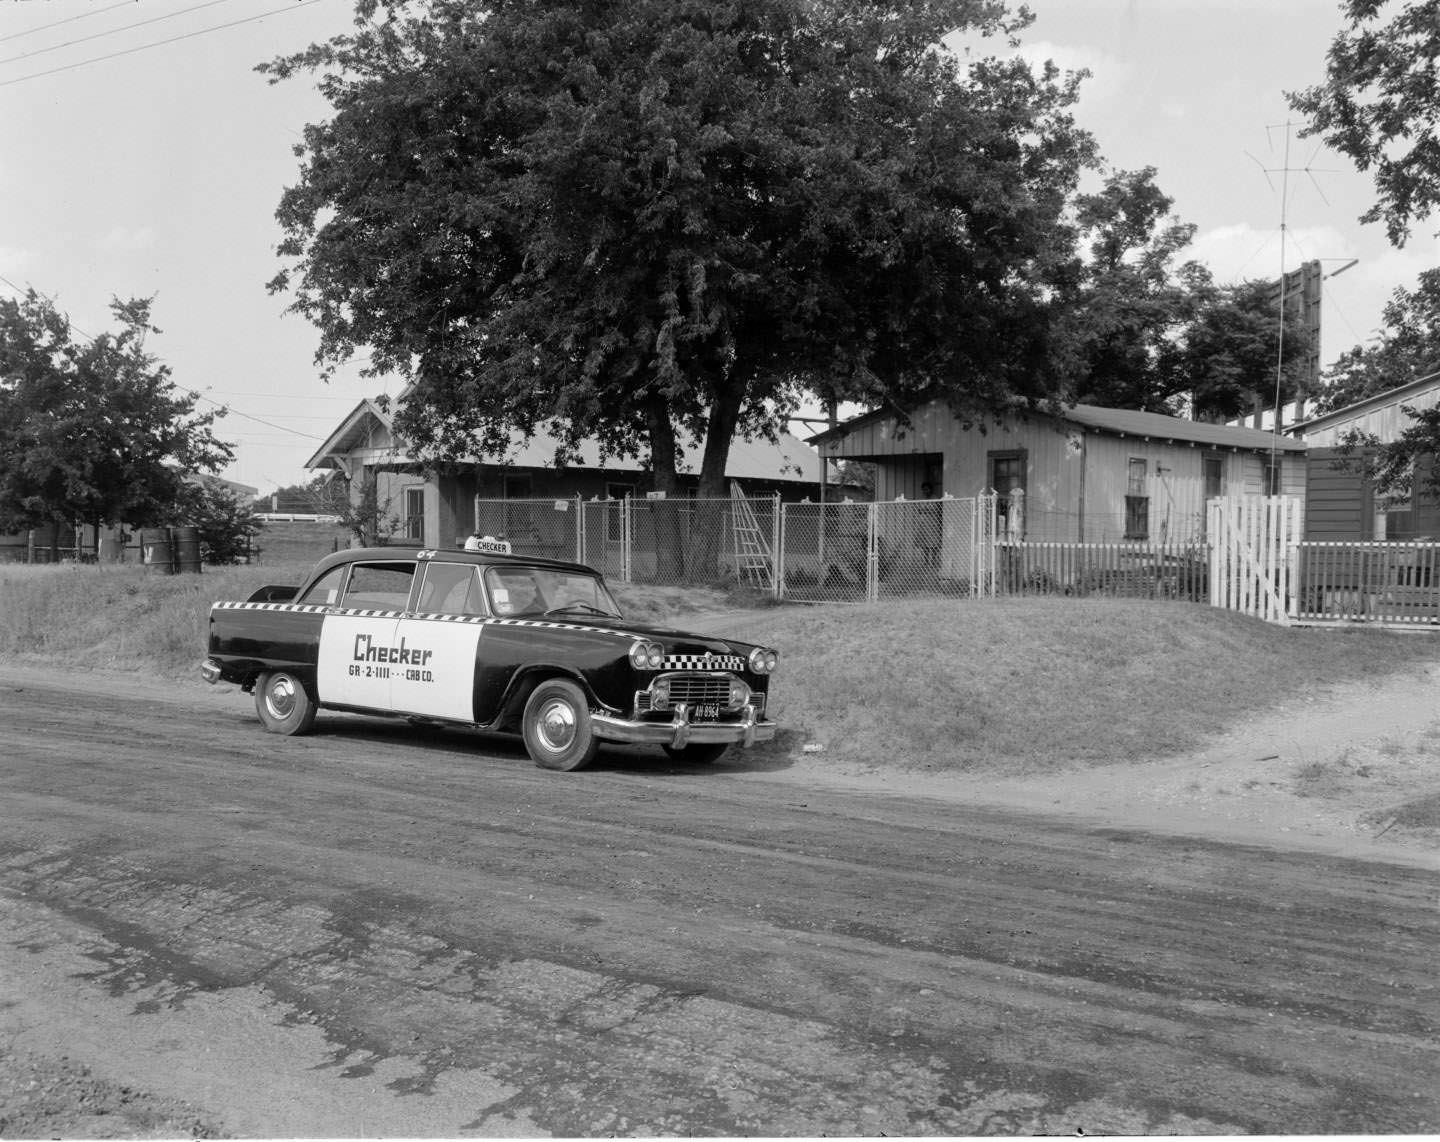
[[671, 638]]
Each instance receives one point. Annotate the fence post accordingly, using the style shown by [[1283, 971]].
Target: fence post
[[872, 555], [777, 546], [625, 569], [579, 528]]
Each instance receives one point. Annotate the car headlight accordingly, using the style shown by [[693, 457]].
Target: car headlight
[[739, 694], [762, 661], [660, 694], [645, 655]]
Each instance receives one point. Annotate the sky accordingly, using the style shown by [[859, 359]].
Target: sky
[[141, 155]]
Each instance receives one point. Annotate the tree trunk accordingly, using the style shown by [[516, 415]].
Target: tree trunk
[[666, 513], [706, 558]]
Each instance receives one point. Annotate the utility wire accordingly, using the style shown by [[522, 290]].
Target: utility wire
[[111, 32], [157, 43], [67, 20]]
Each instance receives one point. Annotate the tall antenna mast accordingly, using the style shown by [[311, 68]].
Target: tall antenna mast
[[1284, 170]]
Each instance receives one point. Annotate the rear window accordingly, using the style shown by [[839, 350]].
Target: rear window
[[379, 586]]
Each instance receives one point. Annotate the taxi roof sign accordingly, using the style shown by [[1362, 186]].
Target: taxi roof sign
[[488, 543]]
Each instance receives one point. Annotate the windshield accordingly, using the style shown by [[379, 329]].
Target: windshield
[[542, 591]]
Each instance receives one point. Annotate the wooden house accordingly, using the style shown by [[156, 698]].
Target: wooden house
[[1340, 503], [1089, 474], [441, 510]]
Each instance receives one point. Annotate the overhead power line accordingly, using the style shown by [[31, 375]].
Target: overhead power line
[[157, 43], [67, 20], [111, 32]]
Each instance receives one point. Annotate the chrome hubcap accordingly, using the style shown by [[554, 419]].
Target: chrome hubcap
[[556, 725], [280, 698]]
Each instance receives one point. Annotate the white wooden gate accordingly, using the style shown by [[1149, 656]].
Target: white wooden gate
[[1254, 542]]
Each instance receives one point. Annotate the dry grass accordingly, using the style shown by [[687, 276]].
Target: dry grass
[[1030, 685], [126, 617], [1025, 685]]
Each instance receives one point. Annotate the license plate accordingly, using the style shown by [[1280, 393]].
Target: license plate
[[707, 711]]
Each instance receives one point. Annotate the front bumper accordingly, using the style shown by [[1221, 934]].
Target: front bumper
[[680, 731]]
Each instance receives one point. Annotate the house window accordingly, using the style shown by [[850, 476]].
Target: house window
[[1007, 475], [415, 514], [1272, 475], [1137, 502], [1213, 466]]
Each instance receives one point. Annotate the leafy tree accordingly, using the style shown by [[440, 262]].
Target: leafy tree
[[1380, 105], [1227, 357], [651, 220], [1407, 349], [227, 524], [92, 431], [1129, 302]]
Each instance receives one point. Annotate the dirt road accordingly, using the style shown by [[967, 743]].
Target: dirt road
[[378, 930]]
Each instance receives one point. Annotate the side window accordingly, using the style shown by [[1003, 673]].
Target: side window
[[379, 586], [451, 589], [325, 591], [1137, 500], [514, 591]]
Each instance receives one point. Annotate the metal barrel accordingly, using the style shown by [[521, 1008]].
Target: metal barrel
[[185, 543], [155, 549]]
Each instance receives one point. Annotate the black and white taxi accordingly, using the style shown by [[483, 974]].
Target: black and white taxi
[[491, 640]]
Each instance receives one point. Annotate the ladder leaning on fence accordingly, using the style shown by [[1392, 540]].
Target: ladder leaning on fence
[[752, 554]]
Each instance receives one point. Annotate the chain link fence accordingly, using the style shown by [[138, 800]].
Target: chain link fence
[[837, 552], [864, 552], [548, 528], [679, 542]]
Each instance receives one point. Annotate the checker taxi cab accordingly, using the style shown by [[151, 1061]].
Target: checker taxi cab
[[487, 639]]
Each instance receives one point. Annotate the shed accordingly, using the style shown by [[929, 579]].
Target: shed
[[1088, 474], [1343, 506]]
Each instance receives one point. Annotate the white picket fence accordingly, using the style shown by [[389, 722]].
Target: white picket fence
[[1253, 545]]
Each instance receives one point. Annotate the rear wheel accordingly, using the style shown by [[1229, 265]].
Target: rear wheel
[[282, 703], [698, 752], [556, 726]]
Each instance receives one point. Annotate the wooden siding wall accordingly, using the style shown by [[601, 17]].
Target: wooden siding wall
[[1339, 505], [1061, 460], [1385, 421]]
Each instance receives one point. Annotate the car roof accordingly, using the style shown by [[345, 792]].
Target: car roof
[[446, 555]]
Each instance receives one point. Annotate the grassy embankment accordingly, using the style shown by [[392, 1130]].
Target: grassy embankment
[[1019, 685]]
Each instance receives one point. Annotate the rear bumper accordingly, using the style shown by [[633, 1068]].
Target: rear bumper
[[680, 731]]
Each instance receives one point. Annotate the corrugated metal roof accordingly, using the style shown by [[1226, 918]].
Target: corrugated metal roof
[[787, 459], [1425, 385], [1129, 422]]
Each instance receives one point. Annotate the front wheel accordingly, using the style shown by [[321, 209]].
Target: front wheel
[[698, 752], [556, 726], [282, 703]]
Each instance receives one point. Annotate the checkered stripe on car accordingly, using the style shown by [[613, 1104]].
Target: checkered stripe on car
[[703, 662], [302, 608], [546, 624]]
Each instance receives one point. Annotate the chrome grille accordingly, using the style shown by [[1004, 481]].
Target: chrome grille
[[692, 690], [699, 689]]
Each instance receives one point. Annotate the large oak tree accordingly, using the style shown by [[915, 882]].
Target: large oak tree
[[646, 220]]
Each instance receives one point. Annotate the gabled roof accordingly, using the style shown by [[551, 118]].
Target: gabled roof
[[1406, 392], [356, 430], [787, 459], [1123, 422]]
